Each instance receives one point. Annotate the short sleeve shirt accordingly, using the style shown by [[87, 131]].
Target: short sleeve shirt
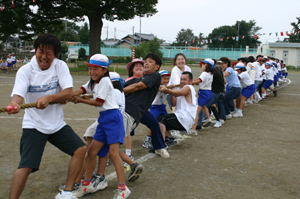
[[206, 81], [232, 79]]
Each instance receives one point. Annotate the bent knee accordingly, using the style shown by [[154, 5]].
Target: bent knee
[[81, 151]]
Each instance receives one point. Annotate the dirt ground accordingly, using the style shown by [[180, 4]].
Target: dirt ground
[[256, 156]]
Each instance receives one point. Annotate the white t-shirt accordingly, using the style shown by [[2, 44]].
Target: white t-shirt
[[186, 112], [120, 100], [33, 83], [251, 70], [176, 75], [207, 79], [275, 70], [9, 60], [258, 74], [13, 58], [103, 92], [160, 98], [262, 69], [269, 74], [279, 66], [245, 79]]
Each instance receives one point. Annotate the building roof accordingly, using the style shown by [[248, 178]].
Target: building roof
[[284, 45], [138, 36]]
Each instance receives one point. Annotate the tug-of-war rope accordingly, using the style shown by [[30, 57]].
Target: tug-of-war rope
[[73, 99]]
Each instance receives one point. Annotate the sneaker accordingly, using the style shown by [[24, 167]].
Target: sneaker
[[120, 194], [192, 132], [238, 114], [59, 196], [136, 170], [62, 187], [229, 116], [222, 121], [250, 102], [275, 93], [198, 128], [99, 183], [218, 124], [83, 190], [127, 165], [170, 141], [147, 144], [259, 99], [176, 134], [207, 122], [255, 101], [162, 152]]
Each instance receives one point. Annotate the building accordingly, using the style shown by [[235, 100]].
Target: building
[[133, 40], [288, 52]]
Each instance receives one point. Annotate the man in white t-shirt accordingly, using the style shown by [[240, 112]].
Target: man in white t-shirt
[[45, 80], [186, 106]]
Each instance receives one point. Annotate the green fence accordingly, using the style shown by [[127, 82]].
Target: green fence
[[170, 52]]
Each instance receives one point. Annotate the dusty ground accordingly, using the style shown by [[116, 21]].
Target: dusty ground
[[256, 156]]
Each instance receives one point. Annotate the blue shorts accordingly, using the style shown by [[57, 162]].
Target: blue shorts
[[111, 127], [280, 73], [13, 62], [267, 84], [227, 88], [204, 97], [9, 65], [248, 91], [157, 110], [285, 74], [103, 151], [275, 78]]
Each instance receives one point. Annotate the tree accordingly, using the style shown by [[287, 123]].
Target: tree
[[81, 53], [68, 35], [64, 49], [241, 34], [49, 14], [184, 36], [84, 34], [148, 47], [295, 37]]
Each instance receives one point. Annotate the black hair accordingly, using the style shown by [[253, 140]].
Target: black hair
[[243, 69], [258, 56], [175, 58], [243, 59], [48, 40], [156, 58], [209, 68], [251, 59], [93, 82], [117, 85], [189, 73]]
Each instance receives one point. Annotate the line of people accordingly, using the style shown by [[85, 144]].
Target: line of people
[[8, 64]]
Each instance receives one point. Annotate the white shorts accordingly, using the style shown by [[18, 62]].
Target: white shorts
[[91, 130], [129, 123]]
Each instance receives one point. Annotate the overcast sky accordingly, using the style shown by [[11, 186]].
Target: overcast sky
[[202, 16]]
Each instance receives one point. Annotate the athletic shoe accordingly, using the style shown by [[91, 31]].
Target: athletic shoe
[[147, 144], [176, 134], [170, 141], [255, 101], [229, 116], [120, 194], [192, 132], [218, 124], [238, 114], [259, 99], [125, 164], [275, 93], [136, 170], [250, 102], [207, 122], [198, 128], [59, 196], [162, 152], [99, 183], [222, 121], [74, 188], [83, 190]]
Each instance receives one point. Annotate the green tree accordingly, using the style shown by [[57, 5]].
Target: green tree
[[226, 36], [68, 35], [82, 53], [64, 49], [295, 37], [148, 47], [184, 36], [84, 34], [49, 14]]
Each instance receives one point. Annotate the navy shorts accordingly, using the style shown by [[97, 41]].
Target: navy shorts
[[158, 110], [204, 97], [9, 65], [33, 143], [267, 84], [248, 91]]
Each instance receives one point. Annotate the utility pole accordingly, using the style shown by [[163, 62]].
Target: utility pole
[[133, 30], [106, 32], [238, 28], [115, 33], [140, 24]]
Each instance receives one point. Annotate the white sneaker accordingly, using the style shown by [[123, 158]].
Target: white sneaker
[[176, 134], [229, 116], [192, 132], [207, 122], [250, 102], [222, 121], [163, 153], [83, 190], [218, 124], [238, 114], [59, 196], [120, 194], [99, 183], [259, 99]]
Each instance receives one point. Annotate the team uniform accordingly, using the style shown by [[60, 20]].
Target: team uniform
[[248, 86], [40, 126], [204, 92], [269, 75], [13, 58], [9, 62], [158, 107]]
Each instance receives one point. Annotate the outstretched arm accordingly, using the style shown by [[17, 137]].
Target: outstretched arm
[[181, 92], [134, 87], [62, 96]]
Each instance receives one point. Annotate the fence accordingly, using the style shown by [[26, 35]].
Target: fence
[[170, 52]]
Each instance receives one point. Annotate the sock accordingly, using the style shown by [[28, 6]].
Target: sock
[[66, 192], [128, 152], [263, 95], [257, 94], [148, 138], [122, 186], [238, 109], [86, 182]]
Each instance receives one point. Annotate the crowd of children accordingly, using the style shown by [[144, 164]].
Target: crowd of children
[[9, 64], [123, 105]]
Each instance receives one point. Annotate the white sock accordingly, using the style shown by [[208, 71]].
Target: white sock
[[128, 152], [257, 94], [263, 95], [63, 192]]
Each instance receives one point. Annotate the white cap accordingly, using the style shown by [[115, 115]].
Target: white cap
[[114, 76], [239, 66], [99, 60]]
